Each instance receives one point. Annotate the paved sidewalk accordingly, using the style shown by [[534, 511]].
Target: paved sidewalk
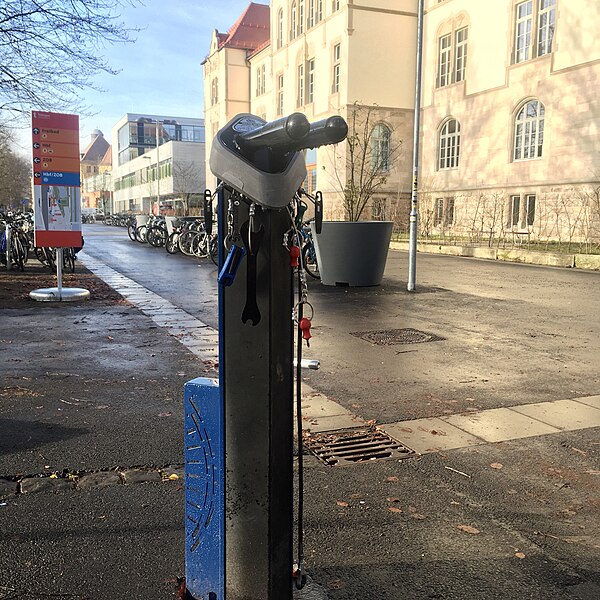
[[91, 450]]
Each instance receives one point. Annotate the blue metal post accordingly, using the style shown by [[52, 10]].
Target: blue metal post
[[204, 491]]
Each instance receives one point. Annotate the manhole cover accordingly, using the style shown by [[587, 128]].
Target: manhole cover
[[355, 446], [388, 337]]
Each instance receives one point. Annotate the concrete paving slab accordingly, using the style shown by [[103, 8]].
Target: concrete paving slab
[[317, 425], [562, 414], [431, 435], [499, 424], [590, 401]]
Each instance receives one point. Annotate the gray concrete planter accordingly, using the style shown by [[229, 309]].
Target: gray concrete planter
[[353, 253]]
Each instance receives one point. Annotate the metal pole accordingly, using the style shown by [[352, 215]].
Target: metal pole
[[59, 265], [412, 244], [157, 168], [8, 245]]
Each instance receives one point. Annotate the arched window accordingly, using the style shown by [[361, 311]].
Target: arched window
[[380, 147], [279, 28], [293, 20], [449, 149], [529, 131]]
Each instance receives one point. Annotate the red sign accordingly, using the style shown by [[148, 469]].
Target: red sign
[[57, 194]]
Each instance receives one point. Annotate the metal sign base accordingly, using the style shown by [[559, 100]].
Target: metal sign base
[[55, 294]]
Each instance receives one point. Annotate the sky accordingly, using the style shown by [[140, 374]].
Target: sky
[[161, 72]]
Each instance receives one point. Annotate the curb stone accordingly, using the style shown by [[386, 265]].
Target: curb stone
[[8, 488], [101, 479], [139, 476], [31, 485]]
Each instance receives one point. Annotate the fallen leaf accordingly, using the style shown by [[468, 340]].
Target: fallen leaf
[[356, 496], [391, 478], [393, 499], [54, 476], [335, 584], [496, 465], [394, 509], [109, 337], [592, 472], [173, 476], [418, 516], [520, 555], [468, 529], [341, 503], [165, 414]]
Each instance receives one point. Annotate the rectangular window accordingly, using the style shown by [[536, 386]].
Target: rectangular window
[[444, 60], [310, 88], [311, 13], [438, 215], [280, 95], [546, 17], [335, 5], [515, 211], [449, 212], [460, 54], [319, 10], [300, 17], [530, 207], [300, 95], [337, 60], [523, 31]]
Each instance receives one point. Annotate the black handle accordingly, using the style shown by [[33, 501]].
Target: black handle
[[208, 214], [280, 135]]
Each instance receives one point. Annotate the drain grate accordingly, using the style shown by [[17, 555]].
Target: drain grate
[[389, 337], [355, 446]]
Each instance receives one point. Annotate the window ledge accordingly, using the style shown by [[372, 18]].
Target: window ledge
[[450, 85], [530, 61]]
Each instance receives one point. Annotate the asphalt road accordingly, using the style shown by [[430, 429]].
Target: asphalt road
[[91, 387]]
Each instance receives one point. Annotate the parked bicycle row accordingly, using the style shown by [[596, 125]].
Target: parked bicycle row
[[17, 244]]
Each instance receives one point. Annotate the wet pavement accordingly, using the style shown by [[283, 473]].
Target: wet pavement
[[94, 391]]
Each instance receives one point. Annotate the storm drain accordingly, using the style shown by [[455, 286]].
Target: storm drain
[[355, 446], [389, 337]]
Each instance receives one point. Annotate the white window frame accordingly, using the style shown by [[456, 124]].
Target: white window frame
[[319, 15], [310, 81], [280, 94], [300, 17], [534, 22], [444, 54], [449, 146], [530, 202], [381, 136], [300, 88], [461, 37], [310, 20], [337, 66], [514, 215], [280, 28], [293, 20], [529, 131]]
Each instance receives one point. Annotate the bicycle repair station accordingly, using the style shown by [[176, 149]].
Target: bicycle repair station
[[239, 431]]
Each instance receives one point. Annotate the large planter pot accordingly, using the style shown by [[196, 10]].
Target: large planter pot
[[352, 253]]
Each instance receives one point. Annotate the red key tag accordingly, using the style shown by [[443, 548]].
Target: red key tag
[[294, 255], [304, 325]]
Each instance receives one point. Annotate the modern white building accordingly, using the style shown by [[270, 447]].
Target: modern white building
[[151, 170]]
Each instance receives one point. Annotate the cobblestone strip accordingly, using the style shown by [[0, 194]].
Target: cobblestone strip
[[88, 480], [319, 412]]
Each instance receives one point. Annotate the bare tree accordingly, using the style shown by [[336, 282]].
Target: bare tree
[[368, 159], [186, 183], [51, 49], [15, 174]]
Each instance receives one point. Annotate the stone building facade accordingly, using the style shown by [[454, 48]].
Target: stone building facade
[[510, 112]]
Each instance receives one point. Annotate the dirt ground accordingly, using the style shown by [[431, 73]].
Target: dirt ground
[[15, 285]]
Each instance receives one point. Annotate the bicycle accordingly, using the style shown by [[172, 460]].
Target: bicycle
[[309, 254]]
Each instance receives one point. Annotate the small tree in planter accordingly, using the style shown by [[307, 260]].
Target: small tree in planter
[[354, 252], [371, 149]]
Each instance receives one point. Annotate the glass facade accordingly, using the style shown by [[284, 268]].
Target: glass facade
[[137, 137]]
